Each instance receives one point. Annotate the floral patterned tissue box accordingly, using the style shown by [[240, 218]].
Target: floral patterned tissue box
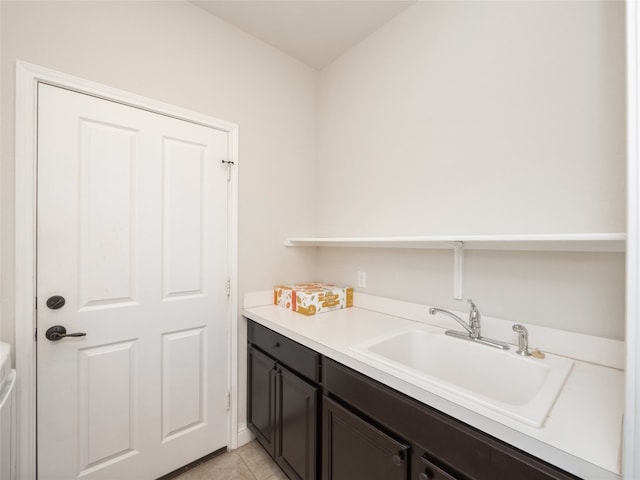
[[312, 298]]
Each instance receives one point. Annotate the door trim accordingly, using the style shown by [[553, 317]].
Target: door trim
[[631, 425], [28, 76]]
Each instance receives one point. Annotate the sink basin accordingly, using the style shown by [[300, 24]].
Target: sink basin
[[523, 388]]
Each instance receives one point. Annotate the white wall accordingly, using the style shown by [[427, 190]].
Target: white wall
[[481, 118], [177, 53], [478, 117]]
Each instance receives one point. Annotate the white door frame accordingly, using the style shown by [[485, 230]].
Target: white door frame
[[28, 77], [631, 433]]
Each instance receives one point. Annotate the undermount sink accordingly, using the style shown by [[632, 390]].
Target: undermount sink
[[523, 388]]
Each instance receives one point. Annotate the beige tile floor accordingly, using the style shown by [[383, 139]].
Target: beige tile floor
[[249, 462]]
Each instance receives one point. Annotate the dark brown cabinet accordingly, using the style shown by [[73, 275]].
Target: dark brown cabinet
[[368, 430], [282, 407], [353, 448]]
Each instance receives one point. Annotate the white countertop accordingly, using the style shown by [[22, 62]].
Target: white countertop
[[581, 435]]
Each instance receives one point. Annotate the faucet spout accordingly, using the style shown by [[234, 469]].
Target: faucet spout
[[462, 323], [472, 326]]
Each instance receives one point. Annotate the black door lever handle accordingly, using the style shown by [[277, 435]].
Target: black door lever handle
[[58, 332]]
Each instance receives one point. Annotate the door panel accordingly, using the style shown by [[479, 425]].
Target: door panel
[[106, 414], [183, 235], [106, 249], [132, 232], [183, 381]]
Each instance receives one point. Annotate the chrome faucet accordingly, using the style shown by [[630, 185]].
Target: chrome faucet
[[523, 340], [472, 327]]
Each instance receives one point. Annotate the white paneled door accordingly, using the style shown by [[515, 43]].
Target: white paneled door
[[132, 234]]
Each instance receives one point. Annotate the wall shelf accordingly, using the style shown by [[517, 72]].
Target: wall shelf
[[577, 242]]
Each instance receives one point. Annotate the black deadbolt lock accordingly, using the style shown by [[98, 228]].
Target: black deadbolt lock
[[55, 302]]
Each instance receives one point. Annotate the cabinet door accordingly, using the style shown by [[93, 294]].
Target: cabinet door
[[296, 425], [261, 380], [355, 449]]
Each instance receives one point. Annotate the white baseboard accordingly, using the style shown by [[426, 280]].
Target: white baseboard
[[244, 435]]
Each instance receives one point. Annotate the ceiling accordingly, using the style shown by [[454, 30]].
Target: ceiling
[[315, 32]]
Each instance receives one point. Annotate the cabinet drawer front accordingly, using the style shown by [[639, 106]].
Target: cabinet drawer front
[[298, 357]]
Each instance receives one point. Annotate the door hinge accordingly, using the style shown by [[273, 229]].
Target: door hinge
[[228, 287], [228, 400]]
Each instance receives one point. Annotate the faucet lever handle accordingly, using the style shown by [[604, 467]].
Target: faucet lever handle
[[474, 320], [474, 313]]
